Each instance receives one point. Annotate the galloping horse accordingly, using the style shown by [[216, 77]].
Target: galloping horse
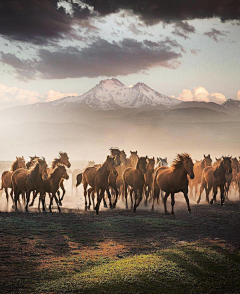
[[24, 180], [174, 179], [7, 175], [212, 178], [76, 177], [149, 179], [134, 177], [92, 176], [197, 169], [52, 184]]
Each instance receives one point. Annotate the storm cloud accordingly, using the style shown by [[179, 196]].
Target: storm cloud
[[41, 21], [101, 58]]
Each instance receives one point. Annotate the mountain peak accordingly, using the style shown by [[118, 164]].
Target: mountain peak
[[111, 82], [140, 84]]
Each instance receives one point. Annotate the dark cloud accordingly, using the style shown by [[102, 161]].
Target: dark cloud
[[101, 58], [215, 34], [170, 11], [37, 21]]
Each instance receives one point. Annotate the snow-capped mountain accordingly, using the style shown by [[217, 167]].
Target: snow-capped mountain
[[111, 94]]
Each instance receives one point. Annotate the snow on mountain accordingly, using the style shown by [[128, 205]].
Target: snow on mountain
[[111, 94]]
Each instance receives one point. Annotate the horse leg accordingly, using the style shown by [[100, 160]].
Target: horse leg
[[104, 201], [55, 197], [99, 199], [85, 193], [34, 197], [172, 203], [165, 202], [208, 189], [109, 198], [93, 200], [147, 192], [135, 198], [64, 192], [185, 193], [89, 197], [203, 186], [155, 195], [214, 194], [222, 194], [125, 194], [7, 196], [51, 201], [28, 198], [131, 196], [139, 199]]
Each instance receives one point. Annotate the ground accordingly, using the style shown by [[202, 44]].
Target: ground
[[118, 251]]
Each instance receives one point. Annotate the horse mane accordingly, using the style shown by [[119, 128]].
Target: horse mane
[[55, 162], [56, 168], [178, 161], [14, 165]]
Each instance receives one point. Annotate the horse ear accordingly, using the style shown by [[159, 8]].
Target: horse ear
[[153, 158], [204, 155], [108, 156], [209, 155], [216, 158], [146, 157]]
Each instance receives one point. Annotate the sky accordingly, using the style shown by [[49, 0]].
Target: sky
[[50, 49]]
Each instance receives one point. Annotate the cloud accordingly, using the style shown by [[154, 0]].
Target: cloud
[[201, 94], [39, 21], [101, 58], [195, 51], [182, 29], [171, 11], [10, 94], [214, 34], [53, 95]]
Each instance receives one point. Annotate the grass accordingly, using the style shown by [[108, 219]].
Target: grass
[[189, 268]]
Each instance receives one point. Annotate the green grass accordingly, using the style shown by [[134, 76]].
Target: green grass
[[189, 268]]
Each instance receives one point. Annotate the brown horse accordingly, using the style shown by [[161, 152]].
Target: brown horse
[[212, 178], [133, 158], [174, 179], [149, 179], [238, 183], [231, 178], [92, 176], [77, 175], [217, 162], [197, 169], [52, 184], [62, 159], [7, 175], [24, 180], [115, 152], [134, 177]]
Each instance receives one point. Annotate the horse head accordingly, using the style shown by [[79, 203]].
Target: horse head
[[111, 163], [142, 164], [227, 163], [64, 159]]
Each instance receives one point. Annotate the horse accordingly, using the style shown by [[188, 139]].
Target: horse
[[174, 179], [52, 184], [197, 169], [101, 179], [217, 162], [161, 162], [149, 179], [76, 173], [115, 152], [134, 177], [24, 180], [19, 162], [238, 183], [214, 177], [133, 158], [89, 178], [62, 159]]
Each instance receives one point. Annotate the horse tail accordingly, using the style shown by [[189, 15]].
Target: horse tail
[[79, 179], [2, 182]]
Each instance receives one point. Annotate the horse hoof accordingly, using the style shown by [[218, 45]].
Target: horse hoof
[[111, 207], [105, 205], [211, 202], [60, 203], [126, 207], [198, 201], [44, 211], [86, 208], [145, 204], [30, 205], [97, 212], [152, 209], [167, 213]]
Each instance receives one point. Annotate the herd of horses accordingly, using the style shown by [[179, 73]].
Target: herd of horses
[[135, 177]]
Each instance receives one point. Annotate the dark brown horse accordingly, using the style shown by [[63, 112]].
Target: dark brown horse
[[214, 177], [52, 184], [92, 177], [197, 169], [24, 180], [149, 179], [7, 175], [174, 179], [134, 177]]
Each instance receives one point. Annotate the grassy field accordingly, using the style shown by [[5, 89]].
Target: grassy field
[[121, 252]]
